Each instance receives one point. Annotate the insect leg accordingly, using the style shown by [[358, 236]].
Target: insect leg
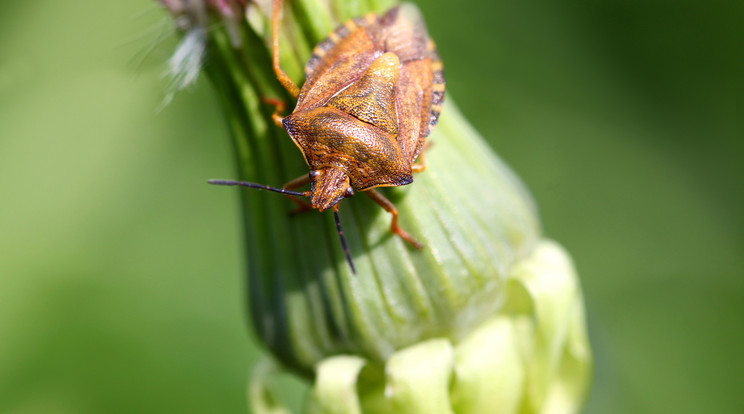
[[288, 84], [421, 164], [279, 107], [302, 205], [378, 198]]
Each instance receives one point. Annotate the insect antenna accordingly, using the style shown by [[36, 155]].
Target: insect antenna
[[257, 186], [341, 237]]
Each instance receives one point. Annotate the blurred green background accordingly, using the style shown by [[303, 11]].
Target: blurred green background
[[120, 279]]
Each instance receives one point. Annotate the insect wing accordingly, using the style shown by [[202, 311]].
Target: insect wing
[[420, 89], [338, 67]]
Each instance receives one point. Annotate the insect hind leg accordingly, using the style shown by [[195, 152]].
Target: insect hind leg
[[383, 202]]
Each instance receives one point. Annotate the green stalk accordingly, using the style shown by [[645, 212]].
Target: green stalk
[[477, 287]]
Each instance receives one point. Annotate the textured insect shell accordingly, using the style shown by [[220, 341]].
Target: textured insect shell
[[368, 155], [356, 131], [378, 76]]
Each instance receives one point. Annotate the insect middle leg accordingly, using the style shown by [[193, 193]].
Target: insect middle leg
[[279, 107], [383, 202], [421, 161], [285, 80]]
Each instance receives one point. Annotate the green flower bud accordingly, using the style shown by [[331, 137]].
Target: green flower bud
[[531, 356], [487, 317]]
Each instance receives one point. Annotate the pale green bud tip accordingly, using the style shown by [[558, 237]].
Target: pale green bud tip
[[530, 357]]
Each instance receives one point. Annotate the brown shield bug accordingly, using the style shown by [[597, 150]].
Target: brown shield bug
[[373, 91]]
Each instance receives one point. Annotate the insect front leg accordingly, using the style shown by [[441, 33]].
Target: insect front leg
[[378, 198], [302, 205]]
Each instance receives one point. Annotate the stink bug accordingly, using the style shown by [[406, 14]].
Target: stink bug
[[373, 91]]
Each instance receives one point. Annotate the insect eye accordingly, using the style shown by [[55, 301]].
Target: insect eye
[[349, 192], [314, 174]]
